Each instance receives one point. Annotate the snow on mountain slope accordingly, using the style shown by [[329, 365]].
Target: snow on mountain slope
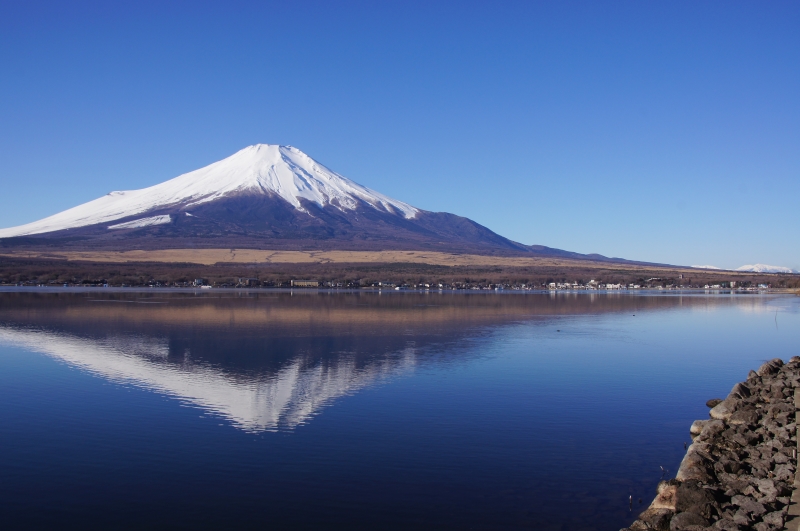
[[705, 267], [764, 268], [143, 222], [260, 169]]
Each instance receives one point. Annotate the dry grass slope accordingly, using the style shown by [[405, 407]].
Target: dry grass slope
[[256, 256]]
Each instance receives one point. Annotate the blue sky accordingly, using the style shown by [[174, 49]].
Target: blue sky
[[659, 131]]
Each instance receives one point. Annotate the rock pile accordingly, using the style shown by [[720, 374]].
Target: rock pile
[[739, 471]]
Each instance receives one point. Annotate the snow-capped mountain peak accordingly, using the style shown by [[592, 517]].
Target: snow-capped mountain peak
[[283, 171], [764, 268]]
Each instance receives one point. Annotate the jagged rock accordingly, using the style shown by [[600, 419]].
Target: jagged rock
[[665, 496], [726, 525], [766, 487], [770, 367], [711, 429], [739, 471], [742, 439], [784, 489], [740, 390], [776, 409], [780, 432], [775, 395], [775, 519], [748, 416], [748, 505], [692, 498], [736, 484], [713, 402], [697, 427], [751, 438], [683, 521], [724, 409], [656, 519], [703, 449], [742, 518], [730, 466], [691, 494], [693, 467], [750, 490], [780, 458], [784, 472]]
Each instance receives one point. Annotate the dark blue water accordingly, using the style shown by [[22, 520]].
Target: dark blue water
[[360, 411]]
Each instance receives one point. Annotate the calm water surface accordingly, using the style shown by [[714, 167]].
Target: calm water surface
[[166, 410]]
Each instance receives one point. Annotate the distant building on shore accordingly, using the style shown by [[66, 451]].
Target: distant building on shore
[[305, 283]]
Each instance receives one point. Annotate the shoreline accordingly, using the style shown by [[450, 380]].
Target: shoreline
[[14, 288], [739, 473], [351, 269]]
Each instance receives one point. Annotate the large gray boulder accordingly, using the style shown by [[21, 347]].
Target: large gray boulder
[[692, 498], [770, 367], [693, 467], [697, 427], [748, 505], [740, 390], [747, 416], [685, 522], [723, 524], [666, 496], [711, 429], [724, 409], [656, 519]]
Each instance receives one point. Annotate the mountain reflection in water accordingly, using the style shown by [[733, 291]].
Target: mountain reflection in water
[[284, 398], [360, 410], [270, 361]]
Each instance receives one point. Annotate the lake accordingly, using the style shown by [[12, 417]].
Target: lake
[[163, 409]]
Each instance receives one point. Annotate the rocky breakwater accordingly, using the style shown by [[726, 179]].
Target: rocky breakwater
[[739, 472]]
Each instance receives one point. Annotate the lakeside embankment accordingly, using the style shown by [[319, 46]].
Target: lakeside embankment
[[739, 472], [230, 267]]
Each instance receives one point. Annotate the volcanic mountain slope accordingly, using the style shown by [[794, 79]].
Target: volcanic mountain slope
[[264, 197]]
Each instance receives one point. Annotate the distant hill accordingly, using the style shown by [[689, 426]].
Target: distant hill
[[763, 268]]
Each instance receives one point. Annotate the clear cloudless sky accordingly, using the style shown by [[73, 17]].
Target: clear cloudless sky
[[664, 131]]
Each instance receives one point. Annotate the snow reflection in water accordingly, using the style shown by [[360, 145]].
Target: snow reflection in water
[[289, 397]]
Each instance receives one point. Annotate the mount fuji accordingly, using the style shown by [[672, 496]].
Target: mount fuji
[[264, 197]]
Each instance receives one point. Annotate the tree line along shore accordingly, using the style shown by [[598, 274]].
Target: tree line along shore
[[54, 272]]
